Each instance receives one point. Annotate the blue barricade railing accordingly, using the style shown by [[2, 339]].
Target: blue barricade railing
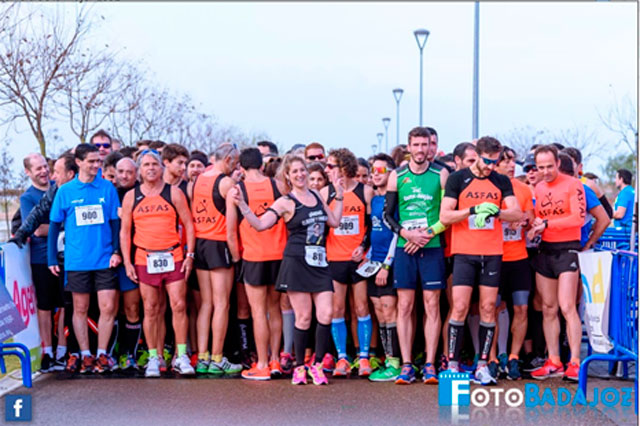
[[616, 239], [623, 317]]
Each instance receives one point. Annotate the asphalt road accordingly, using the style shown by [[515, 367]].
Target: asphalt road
[[175, 401]]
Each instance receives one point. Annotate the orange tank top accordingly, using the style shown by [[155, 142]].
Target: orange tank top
[[269, 244], [344, 239], [208, 207], [515, 245], [155, 225]]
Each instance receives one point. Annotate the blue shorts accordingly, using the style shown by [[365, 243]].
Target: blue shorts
[[124, 282], [426, 267]]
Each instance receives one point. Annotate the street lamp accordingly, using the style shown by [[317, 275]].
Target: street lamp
[[421, 38], [374, 148], [476, 70], [380, 136], [397, 94], [386, 122]]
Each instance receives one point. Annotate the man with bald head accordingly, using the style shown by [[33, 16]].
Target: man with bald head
[[46, 284], [126, 174]]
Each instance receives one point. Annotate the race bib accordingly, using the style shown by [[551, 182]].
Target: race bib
[[369, 268], [89, 215], [511, 234], [415, 224], [160, 262], [315, 256], [349, 225], [488, 223]]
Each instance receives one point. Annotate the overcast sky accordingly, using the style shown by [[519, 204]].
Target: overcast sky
[[325, 71]]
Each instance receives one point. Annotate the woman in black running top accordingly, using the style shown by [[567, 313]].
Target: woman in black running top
[[304, 272]]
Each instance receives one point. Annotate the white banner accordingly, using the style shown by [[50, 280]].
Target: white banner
[[595, 270], [15, 270]]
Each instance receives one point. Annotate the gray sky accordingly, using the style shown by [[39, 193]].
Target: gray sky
[[325, 71]]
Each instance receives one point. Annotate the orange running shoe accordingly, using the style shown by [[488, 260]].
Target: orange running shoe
[[364, 370], [549, 369], [275, 368], [342, 368], [572, 372], [255, 373]]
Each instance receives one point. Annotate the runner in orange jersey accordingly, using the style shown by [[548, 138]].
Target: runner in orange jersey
[[214, 258], [560, 213], [152, 210]]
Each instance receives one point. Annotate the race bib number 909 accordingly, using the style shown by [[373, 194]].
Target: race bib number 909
[[349, 225]]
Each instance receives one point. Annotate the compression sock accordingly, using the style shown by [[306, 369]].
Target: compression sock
[[537, 334], [339, 333], [392, 340], [485, 337], [288, 321], [323, 340], [243, 326], [60, 351], [300, 340], [382, 330], [456, 334], [48, 350], [474, 323], [182, 349], [153, 353], [364, 335], [130, 337], [503, 332]]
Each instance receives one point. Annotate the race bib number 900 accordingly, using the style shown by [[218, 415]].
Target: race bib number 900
[[315, 256], [89, 215], [158, 263], [349, 225]]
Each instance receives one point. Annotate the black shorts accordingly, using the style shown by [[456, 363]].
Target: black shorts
[[260, 273], [473, 270], [345, 272], [49, 288], [90, 281], [448, 267], [555, 258], [515, 281], [212, 254], [296, 275], [238, 271], [374, 290]]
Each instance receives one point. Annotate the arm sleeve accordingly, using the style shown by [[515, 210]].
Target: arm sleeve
[[366, 241], [578, 206], [52, 243], [607, 206], [388, 260], [115, 234], [390, 206]]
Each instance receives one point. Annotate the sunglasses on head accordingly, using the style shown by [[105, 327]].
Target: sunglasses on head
[[489, 161], [315, 157], [102, 145], [149, 151], [380, 170]]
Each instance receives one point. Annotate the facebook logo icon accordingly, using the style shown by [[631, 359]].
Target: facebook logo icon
[[17, 408], [453, 388]]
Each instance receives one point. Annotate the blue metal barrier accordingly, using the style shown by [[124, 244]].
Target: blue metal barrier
[[623, 317], [22, 352], [615, 239]]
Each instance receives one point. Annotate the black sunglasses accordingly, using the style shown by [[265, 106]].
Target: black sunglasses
[[102, 145]]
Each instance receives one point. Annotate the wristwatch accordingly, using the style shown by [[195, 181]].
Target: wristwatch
[[385, 266], [546, 223], [191, 255]]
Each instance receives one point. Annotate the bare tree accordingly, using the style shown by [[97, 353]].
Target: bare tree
[[520, 139], [578, 137], [34, 56], [622, 119], [10, 183]]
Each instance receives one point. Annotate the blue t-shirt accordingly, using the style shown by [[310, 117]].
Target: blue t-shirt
[[28, 201], [381, 235], [86, 210], [625, 199], [592, 201]]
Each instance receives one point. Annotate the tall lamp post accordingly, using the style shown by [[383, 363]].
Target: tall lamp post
[[380, 136], [397, 94], [386, 122], [476, 65], [421, 38], [374, 148]]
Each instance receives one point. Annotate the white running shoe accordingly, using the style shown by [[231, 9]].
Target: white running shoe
[[483, 377], [182, 365], [153, 367]]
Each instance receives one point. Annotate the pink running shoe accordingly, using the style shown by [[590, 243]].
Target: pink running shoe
[[286, 362], [328, 363], [299, 375], [316, 373]]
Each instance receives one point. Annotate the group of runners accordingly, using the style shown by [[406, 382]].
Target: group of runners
[[323, 263]]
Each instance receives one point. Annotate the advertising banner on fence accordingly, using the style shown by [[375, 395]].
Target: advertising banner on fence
[[595, 270], [15, 273]]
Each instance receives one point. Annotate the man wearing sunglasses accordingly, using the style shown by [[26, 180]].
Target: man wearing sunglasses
[[315, 152], [102, 141], [414, 191], [471, 204]]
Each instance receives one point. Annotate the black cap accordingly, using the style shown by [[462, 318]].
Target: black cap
[[529, 162]]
